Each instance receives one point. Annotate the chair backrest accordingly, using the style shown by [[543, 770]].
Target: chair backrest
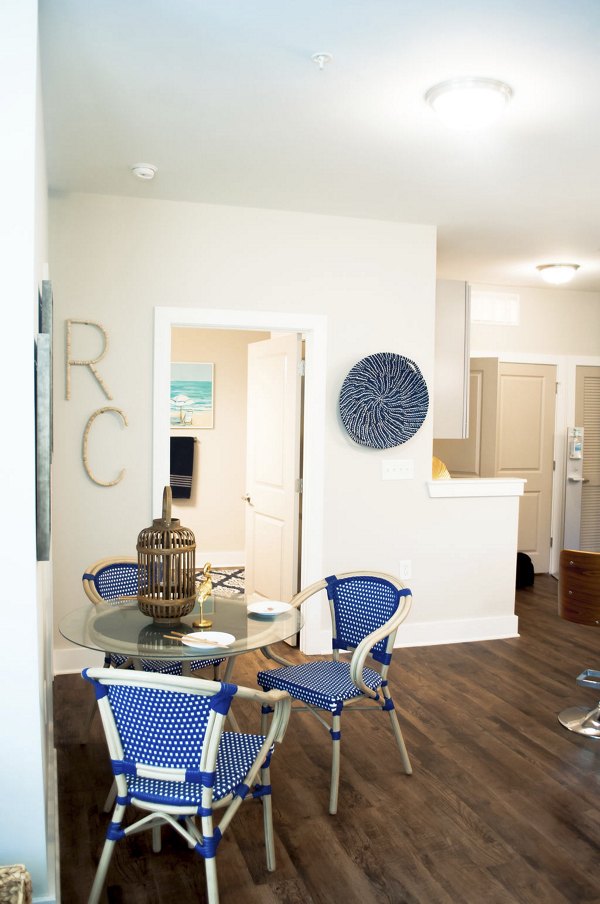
[[169, 727], [110, 579], [360, 604], [579, 586], [160, 726]]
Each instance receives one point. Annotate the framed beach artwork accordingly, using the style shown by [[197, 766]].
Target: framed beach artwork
[[192, 395]]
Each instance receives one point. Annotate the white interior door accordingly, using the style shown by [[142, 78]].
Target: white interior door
[[273, 467], [525, 448], [587, 415]]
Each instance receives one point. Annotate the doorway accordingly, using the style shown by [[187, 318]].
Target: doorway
[[313, 330], [587, 415], [525, 448], [511, 434], [243, 494]]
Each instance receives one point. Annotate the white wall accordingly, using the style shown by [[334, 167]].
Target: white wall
[[215, 511], [552, 322], [23, 764], [115, 259]]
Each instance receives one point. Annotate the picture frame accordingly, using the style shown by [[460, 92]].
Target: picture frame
[[192, 395]]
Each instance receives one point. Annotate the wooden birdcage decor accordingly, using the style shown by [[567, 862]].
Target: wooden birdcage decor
[[166, 567]]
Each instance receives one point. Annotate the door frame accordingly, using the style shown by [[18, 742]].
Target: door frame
[[563, 418], [313, 328]]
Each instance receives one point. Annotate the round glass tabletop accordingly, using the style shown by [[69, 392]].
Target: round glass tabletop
[[122, 628]]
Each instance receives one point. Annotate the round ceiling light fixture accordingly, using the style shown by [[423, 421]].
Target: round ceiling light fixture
[[470, 102], [557, 274], [144, 171]]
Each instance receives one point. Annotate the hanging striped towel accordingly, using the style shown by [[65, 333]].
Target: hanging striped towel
[[182, 466]]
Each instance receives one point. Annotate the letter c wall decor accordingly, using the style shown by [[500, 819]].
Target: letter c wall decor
[[102, 483]]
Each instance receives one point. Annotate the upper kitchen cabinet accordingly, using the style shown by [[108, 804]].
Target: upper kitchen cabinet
[[451, 380]]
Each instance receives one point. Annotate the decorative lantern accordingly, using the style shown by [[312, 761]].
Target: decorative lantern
[[166, 567]]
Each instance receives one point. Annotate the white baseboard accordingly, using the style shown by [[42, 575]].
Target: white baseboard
[[428, 634], [72, 660]]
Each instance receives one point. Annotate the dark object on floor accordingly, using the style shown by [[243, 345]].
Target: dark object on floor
[[525, 575], [182, 466]]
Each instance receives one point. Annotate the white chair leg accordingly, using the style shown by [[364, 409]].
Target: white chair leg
[[264, 719], [110, 798], [105, 858], [232, 720], [212, 888], [398, 735], [268, 822], [400, 741], [156, 839], [100, 877], [229, 668], [226, 678], [335, 765], [193, 830]]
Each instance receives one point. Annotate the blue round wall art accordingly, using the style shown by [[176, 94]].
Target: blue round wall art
[[383, 400]]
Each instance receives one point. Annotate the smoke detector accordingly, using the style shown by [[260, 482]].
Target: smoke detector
[[144, 171], [321, 59]]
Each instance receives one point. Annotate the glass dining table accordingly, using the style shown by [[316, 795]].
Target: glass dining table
[[120, 627]]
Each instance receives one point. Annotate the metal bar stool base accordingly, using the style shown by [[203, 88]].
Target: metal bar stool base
[[581, 720]]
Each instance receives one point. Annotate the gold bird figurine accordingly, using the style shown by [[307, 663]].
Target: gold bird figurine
[[203, 591]]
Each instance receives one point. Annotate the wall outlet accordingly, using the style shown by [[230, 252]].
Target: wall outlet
[[397, 469], [405, 570]]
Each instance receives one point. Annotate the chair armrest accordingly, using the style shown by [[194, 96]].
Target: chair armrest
[[275, 657], [298, 600], [282, 707], [362, 651], [281, 704], [303, 595]]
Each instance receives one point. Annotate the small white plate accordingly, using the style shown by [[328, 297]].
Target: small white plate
[[268, 608], [207, 640]]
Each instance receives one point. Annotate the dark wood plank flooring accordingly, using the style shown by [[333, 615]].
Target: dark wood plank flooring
[[503, 805]]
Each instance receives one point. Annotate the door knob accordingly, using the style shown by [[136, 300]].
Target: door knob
[[247, 499]]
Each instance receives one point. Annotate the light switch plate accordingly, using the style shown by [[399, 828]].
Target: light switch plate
[[397, 469]]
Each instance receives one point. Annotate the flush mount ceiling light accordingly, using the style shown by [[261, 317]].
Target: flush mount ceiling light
[[144, 171], [470, 102], [557, 274]]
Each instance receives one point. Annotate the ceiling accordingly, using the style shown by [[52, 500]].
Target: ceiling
[[224, 98]]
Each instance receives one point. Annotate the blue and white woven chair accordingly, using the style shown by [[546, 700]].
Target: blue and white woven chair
[[172, 759], [116, 581], [366, 610]]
